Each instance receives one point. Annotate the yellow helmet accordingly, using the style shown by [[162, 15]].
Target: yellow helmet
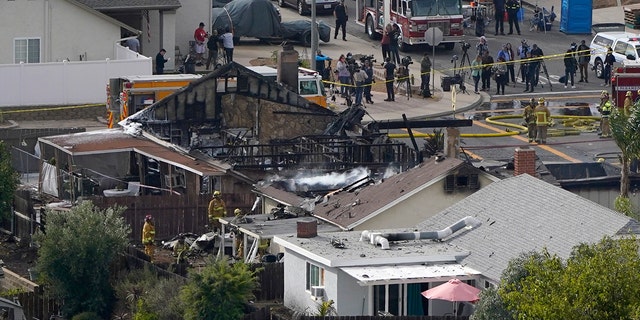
[[237, 211], [639, 91], [216, 193], [629, 93], [604, 93], [541, 100]]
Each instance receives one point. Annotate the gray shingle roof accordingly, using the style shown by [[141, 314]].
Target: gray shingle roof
[[522, 214], [340, 208], [110, 5]]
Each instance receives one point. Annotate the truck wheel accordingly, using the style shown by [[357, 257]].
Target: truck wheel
[[403, 46], [370, 29], [599, 68], [301, 10], [449, 45]]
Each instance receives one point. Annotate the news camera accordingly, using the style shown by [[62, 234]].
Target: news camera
[[465, 45], [369, 58], [454, 58], [406, 61]]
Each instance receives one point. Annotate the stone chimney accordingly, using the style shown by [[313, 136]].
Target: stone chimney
[[307, 228], [524, 161], [288, 67], [452, 143]]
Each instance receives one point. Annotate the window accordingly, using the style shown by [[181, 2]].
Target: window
[[315, 276], [26, 50]]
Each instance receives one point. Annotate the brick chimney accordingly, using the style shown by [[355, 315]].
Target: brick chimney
[[288, 67], [524, 161], [307, 228]]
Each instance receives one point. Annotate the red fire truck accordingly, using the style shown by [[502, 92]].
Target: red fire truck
[[414, 17], [625, 78]]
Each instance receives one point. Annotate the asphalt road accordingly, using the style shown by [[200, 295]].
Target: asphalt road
[[584, 146]]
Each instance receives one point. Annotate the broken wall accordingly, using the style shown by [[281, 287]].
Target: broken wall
[[275, 120]]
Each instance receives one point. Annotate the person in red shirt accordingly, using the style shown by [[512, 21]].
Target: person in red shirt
[[200, 36]]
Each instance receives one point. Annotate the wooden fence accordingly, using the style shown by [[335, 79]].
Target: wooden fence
[[172, 214], [38, 304]]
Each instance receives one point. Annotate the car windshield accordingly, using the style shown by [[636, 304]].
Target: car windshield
[[435, 7]]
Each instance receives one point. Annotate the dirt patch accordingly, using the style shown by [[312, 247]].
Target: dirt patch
[[263, 62], [17, 256]]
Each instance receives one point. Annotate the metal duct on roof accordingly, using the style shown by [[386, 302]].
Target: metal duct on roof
[[382, 239]]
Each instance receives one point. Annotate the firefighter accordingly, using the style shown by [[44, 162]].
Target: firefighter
[[148, 236], [605, 111], [637, 102], [217, 209], [530, 119], [543, 116], [180, 250], [628, 103]]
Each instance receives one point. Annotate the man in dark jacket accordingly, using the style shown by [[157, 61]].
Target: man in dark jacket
[[340, 13], [583, 61], [513, 6], [212, 45], [160, 61], [498, 6]]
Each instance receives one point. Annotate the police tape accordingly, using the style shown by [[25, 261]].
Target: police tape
[[550, 57], [54, 108]]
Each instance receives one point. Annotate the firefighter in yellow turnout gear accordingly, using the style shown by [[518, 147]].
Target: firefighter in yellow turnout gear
[[543, 116], [217, 209], [529, 118], [605, 111], [148, 236]]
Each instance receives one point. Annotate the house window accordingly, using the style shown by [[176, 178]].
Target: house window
[[26, 50], [315, 276]]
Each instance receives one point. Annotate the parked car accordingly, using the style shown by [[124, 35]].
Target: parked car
[[625, 46], [261, 19], [304, 6]]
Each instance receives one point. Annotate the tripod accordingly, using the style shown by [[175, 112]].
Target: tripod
[[458, 74], [465, 55], [546, 73]]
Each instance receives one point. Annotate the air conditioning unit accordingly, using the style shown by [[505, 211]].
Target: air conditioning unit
[[317, 291]]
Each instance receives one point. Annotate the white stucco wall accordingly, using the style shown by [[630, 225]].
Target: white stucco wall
[[351, 299], [66, 31], [188, 17], [419, 207]]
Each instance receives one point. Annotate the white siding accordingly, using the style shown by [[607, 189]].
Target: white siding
[[66, 30]]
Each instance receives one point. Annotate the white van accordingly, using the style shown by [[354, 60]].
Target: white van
[[626, 48]]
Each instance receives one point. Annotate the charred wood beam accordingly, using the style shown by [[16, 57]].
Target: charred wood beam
[[413, 139], [400, 124]]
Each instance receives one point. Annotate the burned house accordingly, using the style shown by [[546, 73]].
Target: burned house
[[223, 132]]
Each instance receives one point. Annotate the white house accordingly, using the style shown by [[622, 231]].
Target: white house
[[473, 239], [39, 31]]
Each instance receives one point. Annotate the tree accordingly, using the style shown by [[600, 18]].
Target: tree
[[219, 291], [9, 180], [625, 131], [75, 255], [598, 281]]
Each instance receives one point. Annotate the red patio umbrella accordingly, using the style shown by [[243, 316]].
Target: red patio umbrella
[[453, 290]]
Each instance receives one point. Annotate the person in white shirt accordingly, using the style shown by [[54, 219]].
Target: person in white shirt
[[227, 43]]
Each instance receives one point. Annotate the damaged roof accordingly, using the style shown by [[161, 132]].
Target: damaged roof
[[264, 226], [522, 214], [349, 208], [362, 253], [116, 140]]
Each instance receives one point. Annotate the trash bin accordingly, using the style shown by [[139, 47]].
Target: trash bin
[[446, 83]]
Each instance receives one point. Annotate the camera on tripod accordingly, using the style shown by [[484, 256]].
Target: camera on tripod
[[454, 58], [406, 61], [465, 45], [369, 58]]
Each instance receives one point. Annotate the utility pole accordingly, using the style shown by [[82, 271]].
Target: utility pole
[[314, 35]]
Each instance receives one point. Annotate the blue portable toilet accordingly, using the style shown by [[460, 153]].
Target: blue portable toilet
[[576, 16]]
